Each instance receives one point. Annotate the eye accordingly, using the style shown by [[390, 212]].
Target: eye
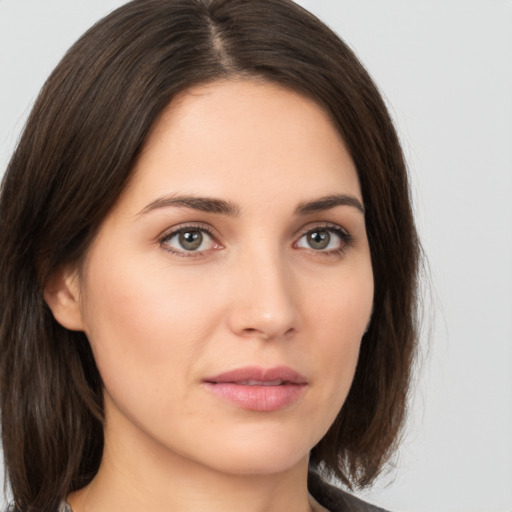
[[327, 239], [189, 239]]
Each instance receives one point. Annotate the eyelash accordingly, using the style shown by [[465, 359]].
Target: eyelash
[[346, 239]]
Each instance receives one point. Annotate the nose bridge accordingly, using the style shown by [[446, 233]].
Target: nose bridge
[[265, 304]]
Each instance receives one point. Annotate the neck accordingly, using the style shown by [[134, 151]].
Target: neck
[[137, 475]]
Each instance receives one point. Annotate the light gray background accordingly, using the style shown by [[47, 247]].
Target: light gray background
[[445, 67]]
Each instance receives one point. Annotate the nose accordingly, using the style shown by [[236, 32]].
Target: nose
[[264, 304]]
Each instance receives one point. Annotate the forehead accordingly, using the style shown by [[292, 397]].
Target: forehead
[[230, 137]]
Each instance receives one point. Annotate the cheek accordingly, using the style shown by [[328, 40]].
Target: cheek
[[342, 302], [140, 321], [342, 316]]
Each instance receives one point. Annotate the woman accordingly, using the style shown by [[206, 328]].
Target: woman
[[209, 269]]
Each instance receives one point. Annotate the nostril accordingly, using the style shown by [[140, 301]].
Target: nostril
[[268, 334], [251, 331]]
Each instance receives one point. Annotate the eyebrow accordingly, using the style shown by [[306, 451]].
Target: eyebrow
[[204, 204], [220, 206], [328, 202]]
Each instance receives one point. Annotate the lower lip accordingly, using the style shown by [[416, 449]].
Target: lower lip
[[257, 398]]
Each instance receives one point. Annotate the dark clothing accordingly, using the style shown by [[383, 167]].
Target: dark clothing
[[335, 499]]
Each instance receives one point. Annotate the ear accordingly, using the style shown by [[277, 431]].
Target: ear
[[62, 294]]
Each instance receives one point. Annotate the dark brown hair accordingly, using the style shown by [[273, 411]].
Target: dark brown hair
[[76, 156]]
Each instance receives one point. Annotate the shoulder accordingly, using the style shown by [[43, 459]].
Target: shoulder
[[335, 499]]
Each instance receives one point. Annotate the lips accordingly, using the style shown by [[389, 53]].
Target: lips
[[258, 389]]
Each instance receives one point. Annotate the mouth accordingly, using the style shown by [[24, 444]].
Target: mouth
[[258, 389], [261, 383]]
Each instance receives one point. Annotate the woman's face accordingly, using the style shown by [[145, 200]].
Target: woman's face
[[227, 292]]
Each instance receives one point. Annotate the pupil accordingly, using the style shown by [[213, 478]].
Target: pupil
[[191, 240], [319, 239]]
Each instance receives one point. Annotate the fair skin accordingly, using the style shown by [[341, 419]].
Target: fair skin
[[269, 270]]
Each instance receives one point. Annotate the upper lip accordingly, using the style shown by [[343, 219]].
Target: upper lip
[[257, 374]]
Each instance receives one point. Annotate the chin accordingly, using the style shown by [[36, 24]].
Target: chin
[[270, 464], [261, 453]]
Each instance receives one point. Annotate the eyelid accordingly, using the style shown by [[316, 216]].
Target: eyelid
[[188, 225], [321, 225]]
